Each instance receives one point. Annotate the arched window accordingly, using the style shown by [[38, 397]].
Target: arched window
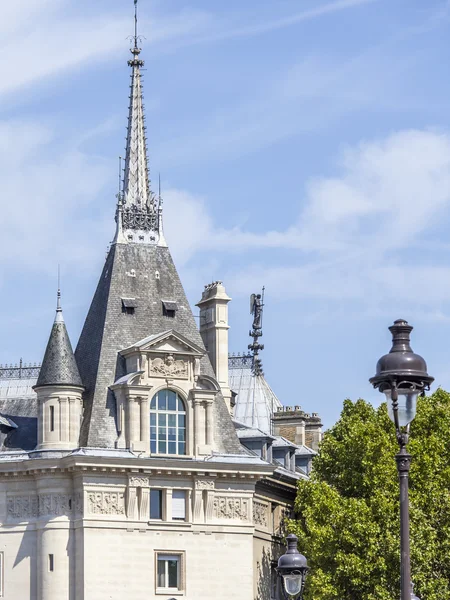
[[167, 423]]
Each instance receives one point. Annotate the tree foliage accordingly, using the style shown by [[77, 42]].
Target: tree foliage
[[348, 512]]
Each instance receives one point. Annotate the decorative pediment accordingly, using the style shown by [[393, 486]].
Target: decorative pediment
[[168, 342]]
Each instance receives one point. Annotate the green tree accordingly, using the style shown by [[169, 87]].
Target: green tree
[[348, 512]]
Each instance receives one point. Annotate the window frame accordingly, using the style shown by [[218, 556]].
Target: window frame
[[181, 589], [185, 494], [168, 413], [163, 496]]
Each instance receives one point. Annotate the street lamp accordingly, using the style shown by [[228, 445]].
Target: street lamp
[[292, 569], [402, 376]]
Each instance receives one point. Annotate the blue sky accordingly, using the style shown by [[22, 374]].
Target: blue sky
[[303, 145]]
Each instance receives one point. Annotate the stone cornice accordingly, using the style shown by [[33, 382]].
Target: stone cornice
[[119, 466]]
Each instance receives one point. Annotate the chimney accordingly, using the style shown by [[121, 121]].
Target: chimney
[[214, 331]]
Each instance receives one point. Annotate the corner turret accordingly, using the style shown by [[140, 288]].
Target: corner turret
[[59, 391]]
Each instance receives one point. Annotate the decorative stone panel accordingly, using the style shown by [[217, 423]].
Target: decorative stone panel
[[23, 507], [169, 367], [106, 503], [260, 514], [231, 508], [44, 505]]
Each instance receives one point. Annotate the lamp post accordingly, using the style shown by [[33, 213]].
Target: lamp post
[[292, 569], [402, 376]]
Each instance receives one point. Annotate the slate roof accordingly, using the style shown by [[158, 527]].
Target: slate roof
[[255, 402], [18, 403], [59, 366], [147, 273]]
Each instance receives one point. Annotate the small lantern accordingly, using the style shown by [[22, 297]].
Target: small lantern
[[402, 376], [292, 569]]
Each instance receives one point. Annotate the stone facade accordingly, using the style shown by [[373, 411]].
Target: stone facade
[[92, 517]]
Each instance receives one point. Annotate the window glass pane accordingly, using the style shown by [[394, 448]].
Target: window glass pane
[[167, 428], [155, 504], [172, 400], [162, 400], [161, 573], [173, 572], [153, 402]]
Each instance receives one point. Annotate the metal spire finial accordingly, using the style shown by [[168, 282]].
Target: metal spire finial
[[59, 316], [135, 24]]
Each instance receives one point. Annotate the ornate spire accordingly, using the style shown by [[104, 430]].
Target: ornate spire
[[139, 212], [256, 309]]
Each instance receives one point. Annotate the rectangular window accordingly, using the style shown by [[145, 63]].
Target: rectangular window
[[179, 505], [52, 418], [168, 576], [51, 562], [156, 504]]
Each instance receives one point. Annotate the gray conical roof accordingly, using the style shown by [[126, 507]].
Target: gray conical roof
[[59, 366]]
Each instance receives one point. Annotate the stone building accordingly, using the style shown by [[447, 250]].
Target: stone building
[[122, 470]]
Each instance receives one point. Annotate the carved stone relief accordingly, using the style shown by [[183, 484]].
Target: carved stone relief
[[260, 514], [226, 507], [27, 507], [169, 367], [106, 503], [204, 484], [139, 481]]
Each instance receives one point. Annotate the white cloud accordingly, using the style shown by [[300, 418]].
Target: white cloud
[[47, 199], [349, 240], [54, 40]]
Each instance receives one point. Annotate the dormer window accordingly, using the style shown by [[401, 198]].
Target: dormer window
[[129, 305], [169, 308]]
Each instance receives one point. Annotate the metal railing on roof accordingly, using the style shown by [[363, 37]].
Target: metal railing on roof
[[20, 371]]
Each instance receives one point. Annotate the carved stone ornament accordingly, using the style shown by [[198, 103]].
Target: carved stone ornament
[[169, 367], [23, 507], [44, 505], [260, 514], [226, 507], [106, 503], [139, 481], [204, 484]]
